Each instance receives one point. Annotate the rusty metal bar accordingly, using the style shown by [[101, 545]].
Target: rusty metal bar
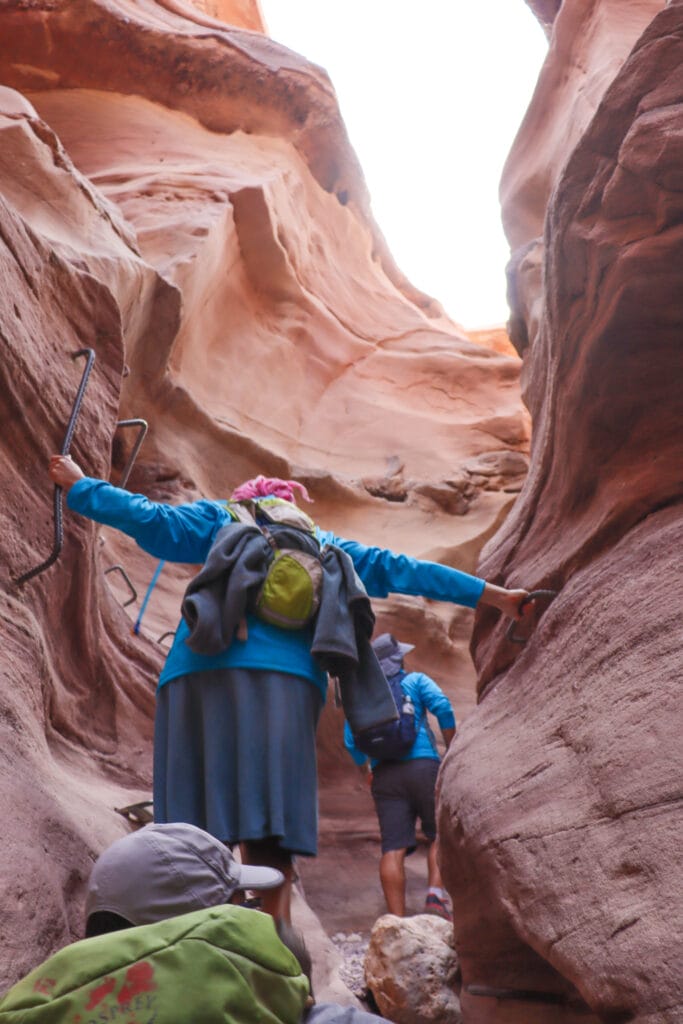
[[518, 994], [142, 424], [119, 568], [89, 353]]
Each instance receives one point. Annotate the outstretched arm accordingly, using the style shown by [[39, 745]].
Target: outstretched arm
[[181, 533], [383, 572]]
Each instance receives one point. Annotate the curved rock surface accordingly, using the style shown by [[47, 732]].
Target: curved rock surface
[[76, 693], [546, 11], [181, 196], [240, 13], [560, 800], [590, 41]]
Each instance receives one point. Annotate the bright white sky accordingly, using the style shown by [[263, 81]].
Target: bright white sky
[[432, 94]]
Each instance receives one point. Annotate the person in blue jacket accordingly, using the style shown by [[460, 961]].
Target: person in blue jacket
[[234, 741], [403, 789]]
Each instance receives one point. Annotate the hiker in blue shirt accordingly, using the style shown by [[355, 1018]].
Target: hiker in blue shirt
[[403, 788], [235, 729]]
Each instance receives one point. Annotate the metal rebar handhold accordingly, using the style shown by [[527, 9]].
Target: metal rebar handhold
[[58, 494], [142, 424], [522, 995], [535, 595], [119, 568]]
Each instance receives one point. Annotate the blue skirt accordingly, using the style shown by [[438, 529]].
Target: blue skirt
[[234, 753]]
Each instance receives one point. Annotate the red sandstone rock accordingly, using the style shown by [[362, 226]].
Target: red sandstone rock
[[76, 693], [590, 42], [240, 13], [495, 338], [546, 11], [559, 799], [173, 60], [188, 205]]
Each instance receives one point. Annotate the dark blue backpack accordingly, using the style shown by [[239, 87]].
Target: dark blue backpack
[[392, 740]]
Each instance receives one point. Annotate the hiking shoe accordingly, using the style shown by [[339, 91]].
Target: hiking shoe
[[434, 905]]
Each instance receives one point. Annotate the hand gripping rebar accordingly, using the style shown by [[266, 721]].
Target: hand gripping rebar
[[89, 353], [535, 595]]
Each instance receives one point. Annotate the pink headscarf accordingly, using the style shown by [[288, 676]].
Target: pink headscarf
[[262, 486]]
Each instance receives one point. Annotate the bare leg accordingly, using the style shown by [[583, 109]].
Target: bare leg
[[393, 878], [433, 874], [436, 901], [276, 902]]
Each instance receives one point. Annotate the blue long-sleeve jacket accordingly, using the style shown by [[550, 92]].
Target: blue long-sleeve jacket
[[185, 533], [426, 696]]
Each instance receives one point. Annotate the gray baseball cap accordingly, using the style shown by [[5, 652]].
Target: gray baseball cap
[[386, 646], [161, 871]]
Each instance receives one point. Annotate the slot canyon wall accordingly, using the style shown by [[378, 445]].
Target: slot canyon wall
[[560, 802], [179, 195]]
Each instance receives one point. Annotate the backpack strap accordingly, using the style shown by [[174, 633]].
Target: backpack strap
[[285, 513], [269, 537], [274, 510], [242, 512]]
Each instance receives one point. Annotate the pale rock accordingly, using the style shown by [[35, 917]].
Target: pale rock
[[411, 969]]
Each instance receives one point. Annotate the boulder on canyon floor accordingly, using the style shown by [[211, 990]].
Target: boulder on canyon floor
[[411, 969]]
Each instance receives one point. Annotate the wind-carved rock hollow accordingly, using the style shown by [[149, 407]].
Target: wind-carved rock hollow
[[177, 192]]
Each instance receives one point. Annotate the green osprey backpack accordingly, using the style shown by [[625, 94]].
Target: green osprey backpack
[[290, 594], [222, 965]]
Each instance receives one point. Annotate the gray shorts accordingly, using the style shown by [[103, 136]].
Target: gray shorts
[[403, 791]]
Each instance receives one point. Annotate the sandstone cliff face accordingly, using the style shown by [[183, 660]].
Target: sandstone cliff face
[[546, 12], [559, 802], [240, 13], [179, 195]]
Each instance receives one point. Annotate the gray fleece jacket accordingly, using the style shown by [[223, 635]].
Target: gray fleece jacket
[[218, 598]]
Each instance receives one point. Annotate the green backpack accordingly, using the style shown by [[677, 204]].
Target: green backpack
[[222, 965], [290, 594]]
